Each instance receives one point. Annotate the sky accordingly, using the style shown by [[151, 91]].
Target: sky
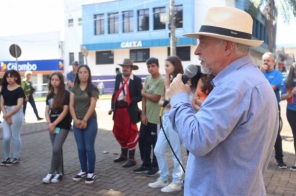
[[30, 16], [34, 16]]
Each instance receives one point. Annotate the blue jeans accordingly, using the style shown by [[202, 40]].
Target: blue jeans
[[85, 139], [12, 131], [162, 146], [32, 102]]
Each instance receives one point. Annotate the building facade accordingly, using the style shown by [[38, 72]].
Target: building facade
[[136, 29], [40, 53]]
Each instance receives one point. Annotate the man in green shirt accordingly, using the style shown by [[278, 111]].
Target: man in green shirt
[[29, 90], [151, 94]]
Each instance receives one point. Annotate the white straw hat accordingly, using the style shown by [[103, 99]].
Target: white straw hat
[[228, 23]]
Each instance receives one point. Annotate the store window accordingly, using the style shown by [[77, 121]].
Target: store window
[[182, 52], [113, 23], [128, 18], [70, 22], [99, 24], [81, 58], [143, 20], [71, 57], [79, 21], [104, 57], [178, 16], [139, 55], [157, 24]]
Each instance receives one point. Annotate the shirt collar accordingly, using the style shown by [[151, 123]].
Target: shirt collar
[[235, 65]]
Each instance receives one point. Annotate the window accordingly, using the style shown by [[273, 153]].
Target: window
[[81, 58], [178, 12], [79, 21], [99, 24], [139, 55], [143, 20], [156, 18], [127, 18], [182, 52], [104, 57], [70, 22], [71, 57], [113, 23]]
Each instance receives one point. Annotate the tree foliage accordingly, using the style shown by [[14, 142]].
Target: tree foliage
[[270, 10]]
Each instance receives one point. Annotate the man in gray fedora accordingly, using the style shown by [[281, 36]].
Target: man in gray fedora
[[124, 105], [230, 138]]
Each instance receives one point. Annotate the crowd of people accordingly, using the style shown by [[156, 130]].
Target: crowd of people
[[218, 115]]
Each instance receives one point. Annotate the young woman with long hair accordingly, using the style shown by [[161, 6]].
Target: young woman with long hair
[[83, 99], [289, 94], [12, 97], [58, 120], [173, 66]]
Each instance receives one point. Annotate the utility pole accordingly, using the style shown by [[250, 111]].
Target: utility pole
[[173, 28]]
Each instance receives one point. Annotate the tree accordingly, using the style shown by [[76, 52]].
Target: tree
[[269, 9]]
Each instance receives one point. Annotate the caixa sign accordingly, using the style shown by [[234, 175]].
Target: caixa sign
[[36, 65], [131, 44]]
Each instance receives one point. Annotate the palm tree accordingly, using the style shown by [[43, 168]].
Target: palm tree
[[269, 9]]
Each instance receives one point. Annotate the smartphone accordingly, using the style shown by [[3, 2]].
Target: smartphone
[[57, 130]]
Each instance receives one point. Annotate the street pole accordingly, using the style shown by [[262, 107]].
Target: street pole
[[173, 28]]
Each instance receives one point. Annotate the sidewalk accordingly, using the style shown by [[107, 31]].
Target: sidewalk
[[112, 179]]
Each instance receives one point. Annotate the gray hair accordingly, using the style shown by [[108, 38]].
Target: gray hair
[[269, 54], [242, 49]]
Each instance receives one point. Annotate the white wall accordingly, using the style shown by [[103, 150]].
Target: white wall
[[41, 46]]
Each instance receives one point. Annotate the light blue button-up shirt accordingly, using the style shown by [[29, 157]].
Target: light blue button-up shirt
[[231, 138]]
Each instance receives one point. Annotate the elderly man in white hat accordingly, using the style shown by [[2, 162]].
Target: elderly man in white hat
[[231, 138]]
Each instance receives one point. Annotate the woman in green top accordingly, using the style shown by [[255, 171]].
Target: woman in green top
[[83, 99]]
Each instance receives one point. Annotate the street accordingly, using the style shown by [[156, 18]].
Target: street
[[112, 179]]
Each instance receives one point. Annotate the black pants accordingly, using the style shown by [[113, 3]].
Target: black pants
[[291, 117], [32, 102], [147, 142], [278, 147]]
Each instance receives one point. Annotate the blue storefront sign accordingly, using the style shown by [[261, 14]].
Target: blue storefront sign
[[34, 65]]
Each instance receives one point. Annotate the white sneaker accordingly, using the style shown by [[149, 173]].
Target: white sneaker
[[47, 178], [158, 184], [57, 178], [172, 187]]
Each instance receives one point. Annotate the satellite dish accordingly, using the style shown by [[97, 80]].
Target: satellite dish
[[84, 51], [15, 50]]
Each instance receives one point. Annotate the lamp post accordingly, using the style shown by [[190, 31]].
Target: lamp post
[[173, 28]]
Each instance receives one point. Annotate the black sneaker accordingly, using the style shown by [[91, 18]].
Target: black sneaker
[[15, 161], [281, 165], [141, 170], [293, 168], [6, 162], [152, 172], [90, 179], [79, 176]]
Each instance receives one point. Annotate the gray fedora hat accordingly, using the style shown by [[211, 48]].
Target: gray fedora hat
[[129, 62]]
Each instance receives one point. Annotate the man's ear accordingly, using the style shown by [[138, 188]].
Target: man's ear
[[229, 47]]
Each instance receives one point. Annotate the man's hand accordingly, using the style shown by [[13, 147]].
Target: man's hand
[[144, 119], [143, 92], [177, 86], [264, 67], [110, 112]]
